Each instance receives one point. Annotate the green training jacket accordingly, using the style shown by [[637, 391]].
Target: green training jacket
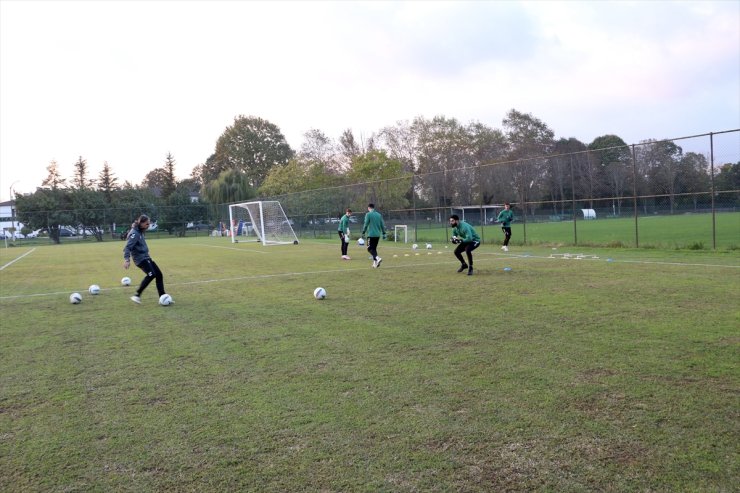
[[374, 225], [465, 232], [343, 224]]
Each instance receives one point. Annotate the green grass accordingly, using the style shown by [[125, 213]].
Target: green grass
[[564, 374], [685, 231]]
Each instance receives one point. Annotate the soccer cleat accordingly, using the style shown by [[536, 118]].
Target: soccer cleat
[[505, 248], [470, 271], [378, 261], [345, 257], [462, 267], [136, 299], [375, 264]]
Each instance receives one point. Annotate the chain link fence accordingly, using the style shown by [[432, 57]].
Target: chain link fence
[[682, 193], [673, 193]]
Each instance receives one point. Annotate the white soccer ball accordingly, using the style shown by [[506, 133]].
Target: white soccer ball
[[319, 293], [166, 300], [414, 246], [360, 242], [429, 246], [126, 281], [93, 289], [75, 298]]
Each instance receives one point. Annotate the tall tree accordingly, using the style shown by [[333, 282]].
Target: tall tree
[[728, 178], [156, 181], [349, 147], [232, 185], [107, 182], [385, 183], [610, 169], [529, 139], [168, 187], [317, 147], [54, 179], [659, 163], [80, 180], [693, 177], [46, 208], [251, 145]]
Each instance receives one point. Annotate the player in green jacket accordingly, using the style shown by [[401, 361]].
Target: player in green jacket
[[505, 217], [343, 230], [374, 227], [467, 240]]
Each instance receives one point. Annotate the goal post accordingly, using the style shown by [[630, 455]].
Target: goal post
[[397, 228], [264, 219]]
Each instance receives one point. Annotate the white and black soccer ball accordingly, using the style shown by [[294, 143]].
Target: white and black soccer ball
[[75, 298], [414, 246], [319, 293], [429, 246], [361, 241], [125, 281], [166, 300], [93, 289]]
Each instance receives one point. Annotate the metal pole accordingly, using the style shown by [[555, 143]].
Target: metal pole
[[573, 202], [634, 194], [12, 210], [711, 181]]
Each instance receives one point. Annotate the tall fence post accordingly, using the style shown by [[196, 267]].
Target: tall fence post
[[573, 201], [413, 204], [711, 188], [634, 195]]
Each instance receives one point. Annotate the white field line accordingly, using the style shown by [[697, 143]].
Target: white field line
[[232, 279], [577, 256], [229, 248], [497, 257], [17, 259]]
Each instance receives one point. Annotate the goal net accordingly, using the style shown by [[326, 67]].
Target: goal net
[[264, 219]]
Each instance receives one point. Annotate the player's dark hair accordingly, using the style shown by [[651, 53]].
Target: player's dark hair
[[506, 203], [455, 217], [141, 219], [371, 205], [348, 210]]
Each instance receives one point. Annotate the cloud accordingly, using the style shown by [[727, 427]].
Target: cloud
[[128, 82]]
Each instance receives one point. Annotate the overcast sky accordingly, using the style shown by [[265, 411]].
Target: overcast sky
[[129, 81]]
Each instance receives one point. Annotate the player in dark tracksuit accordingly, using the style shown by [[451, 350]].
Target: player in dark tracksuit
[[137, 248], [467, 240]]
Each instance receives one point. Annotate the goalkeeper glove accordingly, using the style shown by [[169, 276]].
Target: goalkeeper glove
[[385, 237]]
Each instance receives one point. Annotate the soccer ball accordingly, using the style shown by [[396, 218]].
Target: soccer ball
[[319, 293], [414, 246], [126, 281], [360, 241], [94, 289], [429, 246], [166, 300], [75, 298]]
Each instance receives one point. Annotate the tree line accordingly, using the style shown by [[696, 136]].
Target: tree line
[[437, 162]]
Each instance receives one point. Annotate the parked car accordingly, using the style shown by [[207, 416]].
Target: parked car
[[33, 234], [199, 226]]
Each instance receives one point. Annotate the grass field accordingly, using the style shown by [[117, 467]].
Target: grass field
[[685, 231], [612, 370]]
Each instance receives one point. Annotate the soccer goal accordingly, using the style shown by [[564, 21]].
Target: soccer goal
[[265, 218], [397, 229]]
